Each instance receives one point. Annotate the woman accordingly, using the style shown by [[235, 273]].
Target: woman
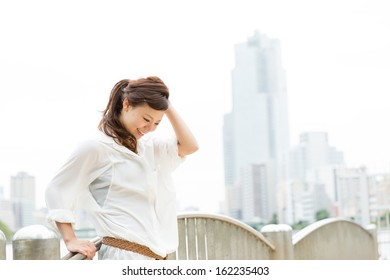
[[123, 177]]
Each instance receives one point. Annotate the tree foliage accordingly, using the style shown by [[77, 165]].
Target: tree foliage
[[6, 230], [322, 214]]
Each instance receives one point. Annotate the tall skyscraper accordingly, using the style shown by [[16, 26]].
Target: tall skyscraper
[[255, 132], [23, 199]]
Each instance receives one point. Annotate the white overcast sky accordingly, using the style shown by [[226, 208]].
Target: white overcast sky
[[60, 59]]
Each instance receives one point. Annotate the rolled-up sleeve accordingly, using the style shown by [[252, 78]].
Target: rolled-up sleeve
[[167, 154], [74, 177]]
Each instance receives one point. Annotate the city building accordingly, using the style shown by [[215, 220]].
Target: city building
[[353, 194], [379, 194], [255, 132], [254, 179], [22, 196], [311, 186], [313, 152]]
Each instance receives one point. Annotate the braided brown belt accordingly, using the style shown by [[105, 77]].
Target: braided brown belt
[[131, 246]]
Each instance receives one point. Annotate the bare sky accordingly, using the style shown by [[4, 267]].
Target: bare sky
[[60, 59]]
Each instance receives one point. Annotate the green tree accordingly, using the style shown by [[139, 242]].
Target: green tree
[[384, 219], [321, 214], [6, 230], [274, 219], [299, 225]]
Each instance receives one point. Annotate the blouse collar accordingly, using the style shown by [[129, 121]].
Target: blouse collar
[[102, 137]]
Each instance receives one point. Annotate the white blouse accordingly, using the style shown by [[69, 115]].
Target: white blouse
[[127, 195]]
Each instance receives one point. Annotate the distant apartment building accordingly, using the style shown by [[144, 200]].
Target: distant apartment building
[[313, 152], [22, 196], [358, 196], [255, 132], [379, 198], [254, 188], [380, 188], [311, 187], [353, 194], [304, 201]]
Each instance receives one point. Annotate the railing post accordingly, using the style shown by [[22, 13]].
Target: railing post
[[281, 237], [3, 244], [35, 242]]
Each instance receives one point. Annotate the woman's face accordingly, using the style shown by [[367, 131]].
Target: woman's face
[[141, 119]]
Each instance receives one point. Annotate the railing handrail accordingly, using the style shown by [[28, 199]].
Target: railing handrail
[[267, 239], [319, 224], [229, 220], [78, 256]]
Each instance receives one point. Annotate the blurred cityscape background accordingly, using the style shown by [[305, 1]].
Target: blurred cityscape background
[[269, 174], [266, 180]]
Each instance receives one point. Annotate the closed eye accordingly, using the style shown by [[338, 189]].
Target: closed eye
[[147, 120]]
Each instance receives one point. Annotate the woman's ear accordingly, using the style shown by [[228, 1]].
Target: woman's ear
[[126, 104]]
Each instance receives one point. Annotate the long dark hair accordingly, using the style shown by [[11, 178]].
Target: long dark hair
[[151, 91]]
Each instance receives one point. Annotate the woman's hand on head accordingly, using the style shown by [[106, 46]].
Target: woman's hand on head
[[187, 143]]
